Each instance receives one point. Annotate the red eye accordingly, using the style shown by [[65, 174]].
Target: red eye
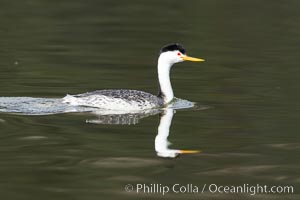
[[178, 53]]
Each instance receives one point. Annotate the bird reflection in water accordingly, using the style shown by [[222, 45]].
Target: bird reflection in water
[[44, 106], [161, 140]]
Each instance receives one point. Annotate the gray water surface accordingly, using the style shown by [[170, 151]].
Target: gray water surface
[[250, 81]]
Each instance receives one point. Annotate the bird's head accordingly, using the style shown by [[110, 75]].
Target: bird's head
[[174, 53]]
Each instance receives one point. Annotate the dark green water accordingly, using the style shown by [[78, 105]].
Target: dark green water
[[250, 81]]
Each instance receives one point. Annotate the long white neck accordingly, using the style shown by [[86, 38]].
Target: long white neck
[[166, 90]]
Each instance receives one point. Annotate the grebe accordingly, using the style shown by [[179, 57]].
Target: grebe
[[133, 99]]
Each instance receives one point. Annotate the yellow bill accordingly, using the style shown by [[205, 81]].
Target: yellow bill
[[188, 58], [189, 151]]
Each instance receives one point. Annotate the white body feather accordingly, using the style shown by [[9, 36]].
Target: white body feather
[[129, 100]]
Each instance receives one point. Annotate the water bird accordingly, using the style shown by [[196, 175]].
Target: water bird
[[124, 99]]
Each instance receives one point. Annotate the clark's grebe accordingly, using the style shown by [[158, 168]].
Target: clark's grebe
[[133, 99]]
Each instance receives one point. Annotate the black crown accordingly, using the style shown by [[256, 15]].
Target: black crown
[[173, 47]]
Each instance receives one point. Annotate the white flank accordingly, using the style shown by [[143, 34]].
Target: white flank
[[106, 102]]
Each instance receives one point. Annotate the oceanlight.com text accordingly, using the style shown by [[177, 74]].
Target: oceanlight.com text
[[154, 188]]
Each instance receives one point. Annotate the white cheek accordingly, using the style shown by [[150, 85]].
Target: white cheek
[[180, 59], [170, 57], [175, 58]]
